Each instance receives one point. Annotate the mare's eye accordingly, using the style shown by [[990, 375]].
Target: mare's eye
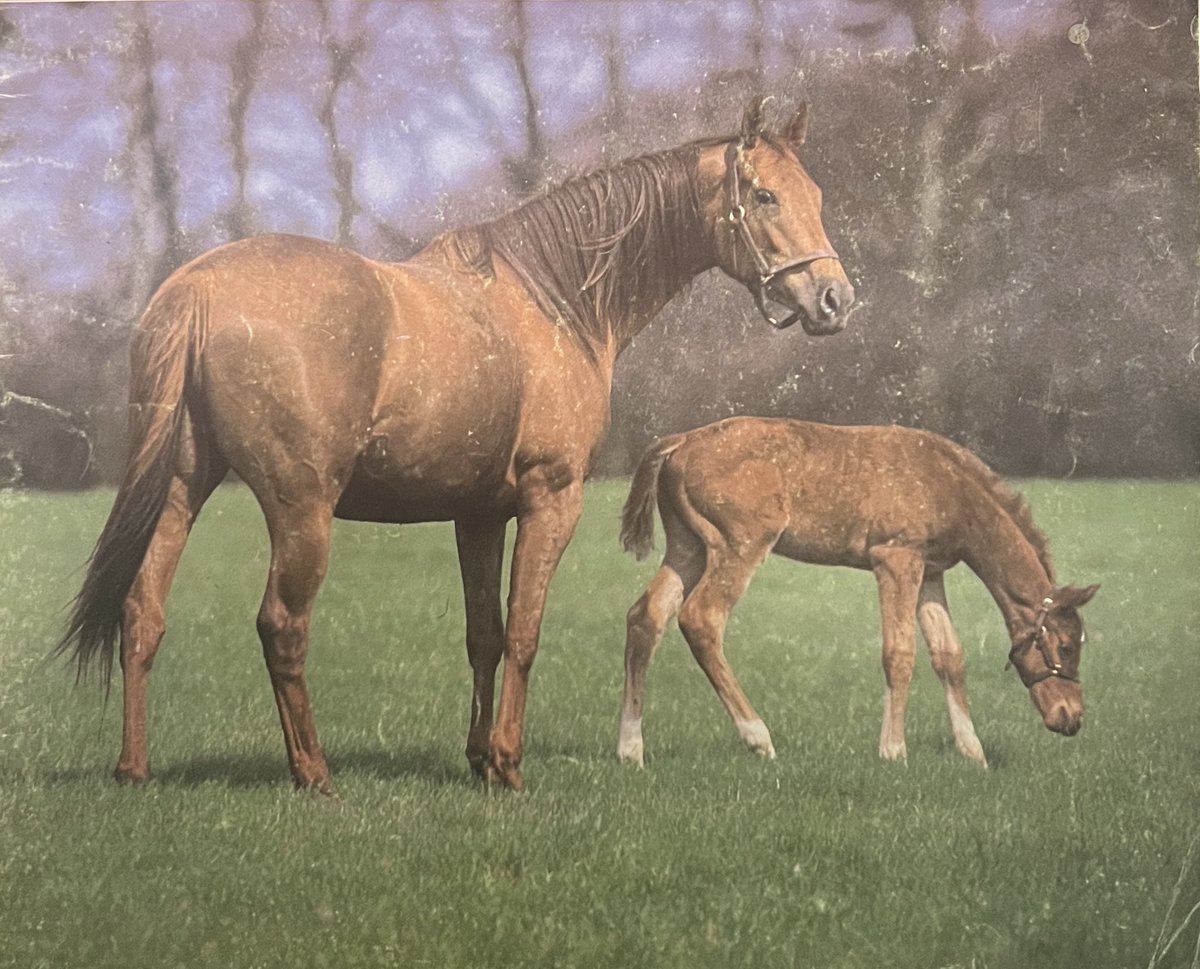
[[765, 197]]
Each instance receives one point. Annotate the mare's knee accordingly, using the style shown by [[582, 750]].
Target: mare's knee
[[284, 639]]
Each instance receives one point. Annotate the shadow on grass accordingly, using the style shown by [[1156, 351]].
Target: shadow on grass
[[266, 770]]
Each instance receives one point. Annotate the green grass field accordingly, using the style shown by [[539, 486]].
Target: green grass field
[[1068, 852]]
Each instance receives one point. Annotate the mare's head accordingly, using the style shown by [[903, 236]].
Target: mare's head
[[770, 236], [1047, 659]]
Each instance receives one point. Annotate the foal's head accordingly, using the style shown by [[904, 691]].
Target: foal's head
[[771, 237], [1047, 659]]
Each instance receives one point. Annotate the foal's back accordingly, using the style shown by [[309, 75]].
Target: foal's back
[[831, 493]]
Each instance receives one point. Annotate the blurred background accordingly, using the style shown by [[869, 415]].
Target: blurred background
[[1012, 185]]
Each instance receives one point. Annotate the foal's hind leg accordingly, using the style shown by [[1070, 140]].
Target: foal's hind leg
[[647, 620], [946, 652], [481, 561], [702, 620], [143, 620], [898, 573], [299, 557], [644, 626]]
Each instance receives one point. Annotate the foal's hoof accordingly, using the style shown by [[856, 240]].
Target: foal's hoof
[[631, 755], [972, 749], [757, 738]]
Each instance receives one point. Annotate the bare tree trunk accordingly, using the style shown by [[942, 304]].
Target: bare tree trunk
[[527, 172], [158, 238], [343, 56], [244, 67]]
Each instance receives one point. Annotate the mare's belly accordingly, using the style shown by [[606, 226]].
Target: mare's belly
[[396, 483]]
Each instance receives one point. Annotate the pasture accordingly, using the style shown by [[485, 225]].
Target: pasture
[[1066, 852]]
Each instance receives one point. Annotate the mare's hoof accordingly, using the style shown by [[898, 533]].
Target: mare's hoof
[[505, 777], [479, 766], [321, 788], [131, 776]]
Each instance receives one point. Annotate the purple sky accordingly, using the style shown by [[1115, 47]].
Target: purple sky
[[434, 100]]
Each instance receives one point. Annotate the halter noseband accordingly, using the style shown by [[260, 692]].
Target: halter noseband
[[765, 269], [1038, 638]]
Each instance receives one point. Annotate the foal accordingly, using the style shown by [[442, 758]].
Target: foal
[[904, 503]]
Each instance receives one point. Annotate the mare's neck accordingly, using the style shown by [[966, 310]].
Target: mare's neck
[[1009, 565], [684, 234]]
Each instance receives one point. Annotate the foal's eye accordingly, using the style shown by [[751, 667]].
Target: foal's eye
[[765, 197]]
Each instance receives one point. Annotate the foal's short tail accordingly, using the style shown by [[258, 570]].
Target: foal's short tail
[[166, 350], [637, 518]]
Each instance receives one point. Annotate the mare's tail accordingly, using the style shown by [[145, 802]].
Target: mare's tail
[[165, 353], [637, 518]]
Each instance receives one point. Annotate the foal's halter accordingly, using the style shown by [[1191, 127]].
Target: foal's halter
[[1054, 669], [766, 270]]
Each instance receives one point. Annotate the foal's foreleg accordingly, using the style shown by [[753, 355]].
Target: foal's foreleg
[[898, 573], [480, 559], [644, 625], [299, 558], [946, 652]]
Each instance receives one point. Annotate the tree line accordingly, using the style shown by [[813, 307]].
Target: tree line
[[1017, 210]]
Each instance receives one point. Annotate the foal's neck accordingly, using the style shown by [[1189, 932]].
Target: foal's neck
[[1010, 566]]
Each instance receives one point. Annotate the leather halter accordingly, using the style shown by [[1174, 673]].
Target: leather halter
[[766, 270], [1037, 638]]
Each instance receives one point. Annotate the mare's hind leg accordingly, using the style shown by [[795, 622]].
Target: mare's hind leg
[[898, 573], [143, 619], [946, 652], [481, 561], [702, 620], [299, 557]]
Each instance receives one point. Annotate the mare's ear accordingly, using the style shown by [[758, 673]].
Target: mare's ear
[[1072, 597], [753, 120], [797, 129]]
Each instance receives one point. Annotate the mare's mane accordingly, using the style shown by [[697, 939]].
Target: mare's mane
[[600, 246]]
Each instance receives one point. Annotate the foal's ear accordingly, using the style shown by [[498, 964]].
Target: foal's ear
[[797, 129], [1073, 597], [753, 120]]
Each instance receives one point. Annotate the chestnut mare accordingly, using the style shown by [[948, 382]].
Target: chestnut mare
[[470, 383], [904, 503]]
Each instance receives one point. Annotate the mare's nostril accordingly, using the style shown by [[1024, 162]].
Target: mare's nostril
[[829, 302]]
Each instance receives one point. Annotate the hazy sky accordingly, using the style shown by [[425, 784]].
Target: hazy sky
[[432, 104]]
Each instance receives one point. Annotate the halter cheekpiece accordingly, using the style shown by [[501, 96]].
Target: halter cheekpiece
[[766, 270], [1037, 637]]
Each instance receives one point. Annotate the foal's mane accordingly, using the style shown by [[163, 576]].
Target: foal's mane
[[1015, 505], [599, 246]]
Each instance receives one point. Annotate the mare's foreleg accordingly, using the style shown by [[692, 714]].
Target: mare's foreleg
[[898, 572], [481, 559], [702, 620], [644, 627], [143, 617], [546, 521], [946, 653], [300, 536]]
